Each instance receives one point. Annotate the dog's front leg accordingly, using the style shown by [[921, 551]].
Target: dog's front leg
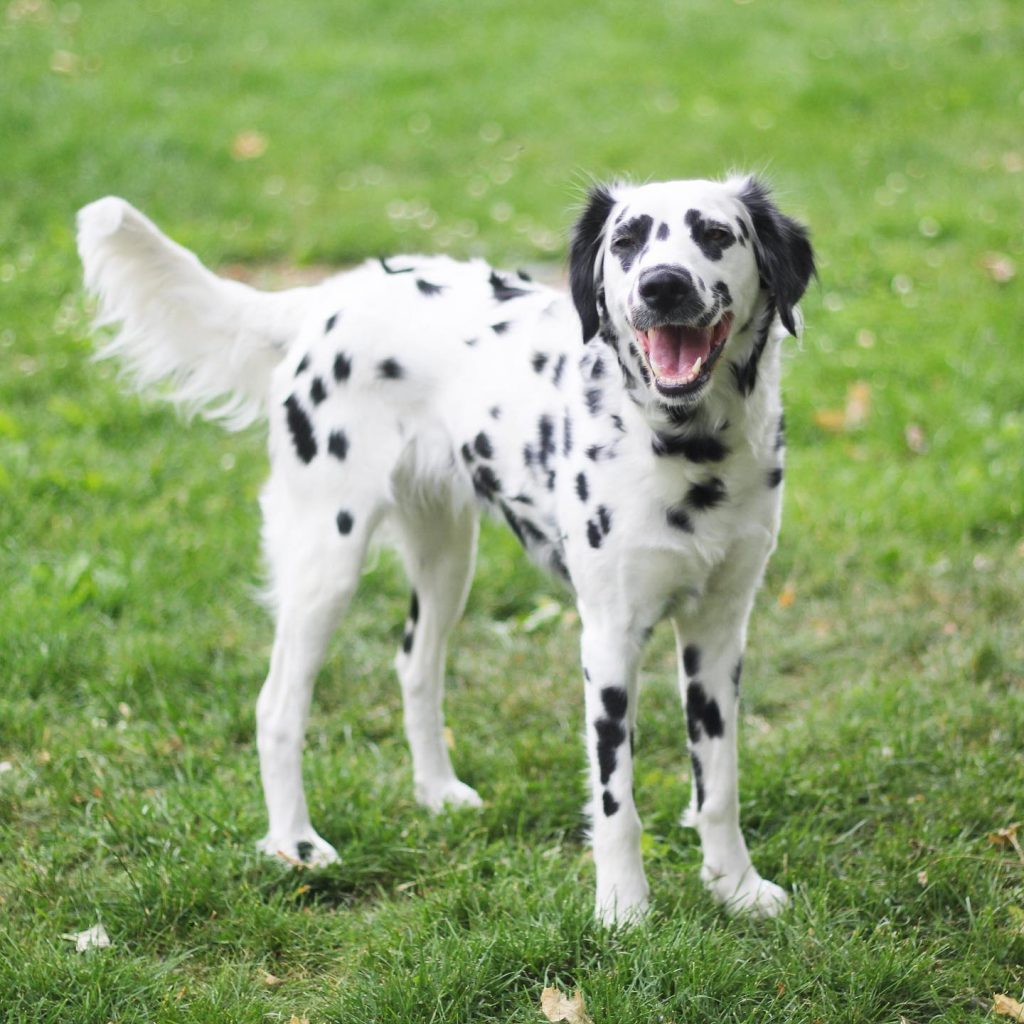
[[710, 643], [610, 655]]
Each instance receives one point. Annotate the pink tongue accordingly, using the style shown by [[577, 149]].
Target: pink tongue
[[674, 350]]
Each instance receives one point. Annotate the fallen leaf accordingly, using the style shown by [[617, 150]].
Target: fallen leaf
[[248, 145], [1008, 837], [92, 938], [557, 1006], [831, 420], [922, 878], [787, 596], [858, 405], [298, 1020], [272, 979], [1000, 267], [1007, 1007]]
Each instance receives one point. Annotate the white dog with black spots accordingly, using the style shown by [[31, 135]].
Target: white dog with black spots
[[640, 460]]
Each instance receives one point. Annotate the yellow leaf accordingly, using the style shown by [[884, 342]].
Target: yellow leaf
[[271, 979], [1007, 1007], [298, 1020], [787, 596], [858, 405], [248, 145], [557, 1006], [831, 420]]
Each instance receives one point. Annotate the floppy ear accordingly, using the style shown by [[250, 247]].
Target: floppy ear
[[583, 256], [784, 255]]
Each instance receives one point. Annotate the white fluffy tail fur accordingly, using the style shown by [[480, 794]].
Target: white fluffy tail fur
[[212, 342]]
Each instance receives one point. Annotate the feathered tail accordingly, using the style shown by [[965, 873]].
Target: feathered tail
[[211, 343]]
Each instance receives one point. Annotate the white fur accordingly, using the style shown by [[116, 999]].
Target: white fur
[[476, 414]]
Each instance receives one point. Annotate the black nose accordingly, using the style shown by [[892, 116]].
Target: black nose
[[667, 288]]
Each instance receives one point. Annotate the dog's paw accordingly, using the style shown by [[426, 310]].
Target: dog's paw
[[447, 796], [306, 851], [748, 893], [622, 906]]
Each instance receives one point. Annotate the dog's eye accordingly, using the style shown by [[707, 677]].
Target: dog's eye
[[622, 243], [719, 236]]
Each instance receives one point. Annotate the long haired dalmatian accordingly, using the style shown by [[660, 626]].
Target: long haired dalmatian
[[641, 463]]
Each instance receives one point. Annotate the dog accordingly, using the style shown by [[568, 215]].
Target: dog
[[631, 435]]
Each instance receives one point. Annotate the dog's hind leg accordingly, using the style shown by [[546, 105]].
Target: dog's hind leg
[[438, 543], [315, 560]]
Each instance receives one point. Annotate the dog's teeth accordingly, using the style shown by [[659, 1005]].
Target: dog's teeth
[[696, 367]]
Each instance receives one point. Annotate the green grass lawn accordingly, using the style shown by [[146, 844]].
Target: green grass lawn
[[883, 728]]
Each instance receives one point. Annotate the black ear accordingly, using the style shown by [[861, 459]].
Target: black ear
[[784, 255], [583, 255]]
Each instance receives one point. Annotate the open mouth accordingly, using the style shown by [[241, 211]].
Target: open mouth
[[680, 356]]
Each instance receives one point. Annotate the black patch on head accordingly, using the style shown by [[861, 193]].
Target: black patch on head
[[615, 701], [584, 253], [538, 361], [390, 369], [678, 517], [331, 321], [775, 477], [503, 291], [342, 367], [556, 373], [629, 239], [501, 327], [303, 365], [691, 659], [390, 270], [317, 391], [609, 804], [662, 231], [304, 849], [486, 482], [698, 779], [610, 736], [710, 236], [706, 494], [482, 445], [344, 522], [702, 713], [700, 448], [785, 258], [427, 288], [582, 490], [301, 430], [337, 444], [593, 396]]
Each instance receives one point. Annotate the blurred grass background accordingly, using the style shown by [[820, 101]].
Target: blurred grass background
[[884, 719]]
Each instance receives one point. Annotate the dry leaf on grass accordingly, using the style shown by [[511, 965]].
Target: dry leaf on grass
[[787, 596], [298, 1020], [1008, 837], [271, 979], [557, 1006], [1007, 1007], [248, 145], [92, 938]]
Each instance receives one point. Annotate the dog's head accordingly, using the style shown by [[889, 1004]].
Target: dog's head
[[670, 273]]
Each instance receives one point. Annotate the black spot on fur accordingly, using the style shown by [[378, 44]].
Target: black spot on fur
[[678, 517], [303, 365], [482, 445], [780, 434], [337, 444], [711, 237], [539, 361], [427, 288], [342, 367], [594, 535], [699, 448], [615, 701], [523, 275], [775, 477], [503, 291], [407, 641], [471, 341], [746, 373], [702, 713], [584, 273], [604, 517], [630, 238], [304, 849], [331, 321], [582, 490], [344, 522], [301, 430], [546, 432], [706, 494], [721, 289], [414, 608], [494, 412], [391, 270], [737, 672], [610, 736], [390, 369], [593, 396], [467, 453], [662, 231], [597, 369], [698, 779], [317, 391], [566, 433], [691, 659], [486, 482], [501, 327], [609, 804], [556, 373]]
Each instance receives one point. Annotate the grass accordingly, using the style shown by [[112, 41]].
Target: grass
[[884, 709]]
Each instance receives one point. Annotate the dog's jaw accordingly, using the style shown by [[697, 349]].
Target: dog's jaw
[[682, 357]]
